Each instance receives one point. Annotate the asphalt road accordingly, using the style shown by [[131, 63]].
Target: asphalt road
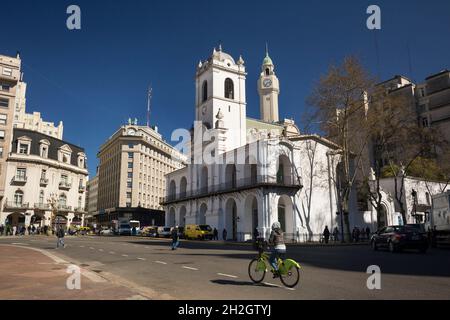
[[207, 270]]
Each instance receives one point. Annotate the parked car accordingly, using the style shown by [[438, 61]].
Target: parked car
[[164, 232], [106, 232], [150, 232], [397, 238], [200, 232]]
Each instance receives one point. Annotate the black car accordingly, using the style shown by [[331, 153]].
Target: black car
[[397, 238]]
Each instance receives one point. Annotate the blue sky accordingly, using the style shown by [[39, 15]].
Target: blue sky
[[96, 78]]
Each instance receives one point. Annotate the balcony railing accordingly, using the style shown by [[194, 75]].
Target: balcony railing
[[44, 181], [80, 210], [19, 179], [63, 207], [42, 206], [237, 185], [65, 185], [16, 205]]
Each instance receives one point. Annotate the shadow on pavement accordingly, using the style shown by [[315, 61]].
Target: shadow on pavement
[[240, 283]]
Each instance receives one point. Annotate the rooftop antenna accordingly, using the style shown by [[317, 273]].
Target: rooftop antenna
[[411, 75], [149, 99], [267, 49]]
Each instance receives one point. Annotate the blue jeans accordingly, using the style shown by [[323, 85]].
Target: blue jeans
[[60, 242], [175, 244], [276, 253]]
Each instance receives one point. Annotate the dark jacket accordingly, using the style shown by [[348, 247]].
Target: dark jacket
[[60, 233], [276, 237], [174, 235]]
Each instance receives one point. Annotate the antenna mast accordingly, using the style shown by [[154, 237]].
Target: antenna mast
[[149, 99]]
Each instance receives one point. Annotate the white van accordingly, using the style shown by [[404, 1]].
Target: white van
[[164, 232]]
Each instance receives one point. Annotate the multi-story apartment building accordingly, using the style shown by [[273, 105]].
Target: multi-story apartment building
[[92, 195], [131, 175], [45, 181], [10, 79]]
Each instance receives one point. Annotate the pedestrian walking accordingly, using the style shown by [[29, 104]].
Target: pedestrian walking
[[33, 230], [60, 235], [175, 238], [368, 233], [215, 234], [326, 234], [224, 235], [2, 228], [29, 230], [336, 234]]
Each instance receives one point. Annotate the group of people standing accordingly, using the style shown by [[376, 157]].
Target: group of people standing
[[9, 230], [357, 234]]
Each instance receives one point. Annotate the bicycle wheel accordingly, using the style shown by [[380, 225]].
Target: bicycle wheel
[[255, 272], [291, 278]]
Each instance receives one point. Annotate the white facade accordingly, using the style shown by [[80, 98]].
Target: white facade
[[267, 173], [43, 178]]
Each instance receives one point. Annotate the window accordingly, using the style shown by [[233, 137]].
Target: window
[[130, 155], [43, 174], [21, 174], [204, 91], [129, 184], [7, 72], [128, 195], [62, 201], [425, 122], [23, 148], [267, 72], [130, 165], [1, 152], [4, 103], [41, 197], [4, 87], [128, 204], [229, 88], [79, 202], [44, 152], [130, 175], [131, 145], [3, 118], [18, 198], [64, 178]]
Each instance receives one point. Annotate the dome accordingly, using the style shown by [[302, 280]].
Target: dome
[[267, 60]]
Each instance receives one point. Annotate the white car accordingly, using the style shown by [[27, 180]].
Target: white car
[[106, 232]]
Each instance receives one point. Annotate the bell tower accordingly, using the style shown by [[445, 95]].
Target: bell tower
[[220, 95], [268, 89]]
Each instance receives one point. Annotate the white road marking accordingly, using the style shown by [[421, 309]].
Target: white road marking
[[112, 252], [291, 289], [227, 275], [141, 259], [91, 248], [190, 268], [271, 284], [124, 255], [101, 250], [81, 246], [161, 262]]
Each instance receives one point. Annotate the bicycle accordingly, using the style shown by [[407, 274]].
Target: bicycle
[[288, 269]]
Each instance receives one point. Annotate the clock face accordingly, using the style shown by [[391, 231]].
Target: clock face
[[267, 83], [131, 132]]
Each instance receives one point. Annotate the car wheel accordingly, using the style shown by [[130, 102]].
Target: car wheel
[[392, 247], [374, 245]]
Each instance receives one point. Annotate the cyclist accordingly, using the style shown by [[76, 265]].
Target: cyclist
[[276, 240]]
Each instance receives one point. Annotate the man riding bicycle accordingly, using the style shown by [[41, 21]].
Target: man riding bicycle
[[276, 240]]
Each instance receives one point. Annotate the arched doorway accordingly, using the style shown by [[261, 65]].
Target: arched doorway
[[202, 214], [231, 219], [37, 220], [251, 215], [286, 215], [172, 190], [16, 219], [204, 181], [230, 176], [182, 221], [284, 170], [171, 217], [382, 217], [183, 187]]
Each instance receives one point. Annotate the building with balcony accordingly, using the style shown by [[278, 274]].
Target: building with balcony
[[10, 91], [133, 163], [244, 174], [46, 179]]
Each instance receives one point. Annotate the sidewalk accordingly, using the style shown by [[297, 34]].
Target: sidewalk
[[32, 274]]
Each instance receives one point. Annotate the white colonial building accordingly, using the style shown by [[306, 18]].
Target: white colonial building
[[246, 173]]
